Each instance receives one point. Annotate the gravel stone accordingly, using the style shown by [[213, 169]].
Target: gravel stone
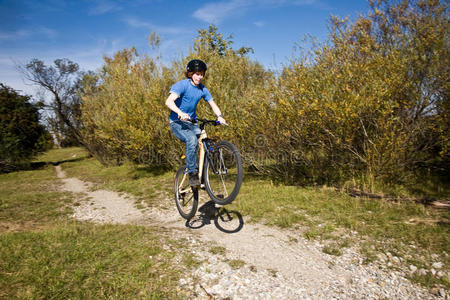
[[437, 265]]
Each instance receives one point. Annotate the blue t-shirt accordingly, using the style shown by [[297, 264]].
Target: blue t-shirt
[[188, 97]]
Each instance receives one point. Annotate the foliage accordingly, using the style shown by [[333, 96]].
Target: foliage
[[371, 103], [21, 134], [212, 41], [368, 106], [123, 109]]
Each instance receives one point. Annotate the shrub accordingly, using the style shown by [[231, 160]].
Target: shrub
[[21, 134]]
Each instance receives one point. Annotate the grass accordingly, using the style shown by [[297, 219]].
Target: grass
[[424, 185], [332, 250], [62, 155], [31, 198], [236, 263], [191, 261], [218, 250], [86, 261], [46, 254]]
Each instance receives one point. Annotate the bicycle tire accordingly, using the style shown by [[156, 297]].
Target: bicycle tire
[[223, 184], [187, 201]]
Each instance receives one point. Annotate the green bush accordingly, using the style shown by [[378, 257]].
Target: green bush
[[21, 134]]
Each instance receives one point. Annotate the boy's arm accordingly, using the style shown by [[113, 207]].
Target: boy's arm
[[170, 103], [216, 110]]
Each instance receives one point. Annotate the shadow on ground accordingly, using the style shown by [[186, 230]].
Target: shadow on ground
[[225, 220]]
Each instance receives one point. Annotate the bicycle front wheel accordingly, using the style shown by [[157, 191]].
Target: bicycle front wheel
[[223, 173], [186, 197]]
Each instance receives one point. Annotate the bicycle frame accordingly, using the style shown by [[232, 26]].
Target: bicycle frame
[[202, 152], [201, 162]]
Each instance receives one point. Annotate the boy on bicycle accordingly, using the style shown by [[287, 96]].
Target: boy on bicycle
[[182, 101]]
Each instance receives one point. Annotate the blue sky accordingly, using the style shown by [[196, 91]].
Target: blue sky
[[86, 30]]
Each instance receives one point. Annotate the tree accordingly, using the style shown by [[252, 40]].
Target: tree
[[212, 41], [62, 81], [21, 134]]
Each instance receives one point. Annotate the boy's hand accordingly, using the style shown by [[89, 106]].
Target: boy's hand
[[222, 121], [184, 117]]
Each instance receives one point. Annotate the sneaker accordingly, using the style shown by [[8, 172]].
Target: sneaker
[[193, 179]]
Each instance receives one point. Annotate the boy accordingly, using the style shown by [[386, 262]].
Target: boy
[[182, 101]]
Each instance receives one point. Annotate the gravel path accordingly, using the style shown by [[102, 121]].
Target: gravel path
[[256, 262]]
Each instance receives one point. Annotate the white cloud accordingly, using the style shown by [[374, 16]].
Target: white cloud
[[135, 22], [48, 32], [218, 11], [258, 24], [103, 6], [26, 33], [12, 35]]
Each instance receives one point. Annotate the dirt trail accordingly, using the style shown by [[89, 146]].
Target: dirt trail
[[261, 246], [99, 206], [288, 266]]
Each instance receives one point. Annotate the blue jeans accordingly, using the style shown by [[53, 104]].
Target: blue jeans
[[188, 133]]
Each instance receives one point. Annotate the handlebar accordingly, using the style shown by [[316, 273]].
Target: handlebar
[[203, 122]]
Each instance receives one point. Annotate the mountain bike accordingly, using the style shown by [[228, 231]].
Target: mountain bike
[[220, 173]]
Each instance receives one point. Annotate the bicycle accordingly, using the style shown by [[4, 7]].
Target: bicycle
[[220, 174]]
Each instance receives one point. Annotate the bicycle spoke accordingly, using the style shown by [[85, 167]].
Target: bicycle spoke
[[224, 187]]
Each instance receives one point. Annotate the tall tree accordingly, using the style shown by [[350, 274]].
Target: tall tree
[[62, 81]]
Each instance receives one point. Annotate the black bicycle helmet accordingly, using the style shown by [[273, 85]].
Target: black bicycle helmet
[[196, 65]]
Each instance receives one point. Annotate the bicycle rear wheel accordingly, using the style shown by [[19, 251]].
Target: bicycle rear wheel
[[186, 197], [223, 173]]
